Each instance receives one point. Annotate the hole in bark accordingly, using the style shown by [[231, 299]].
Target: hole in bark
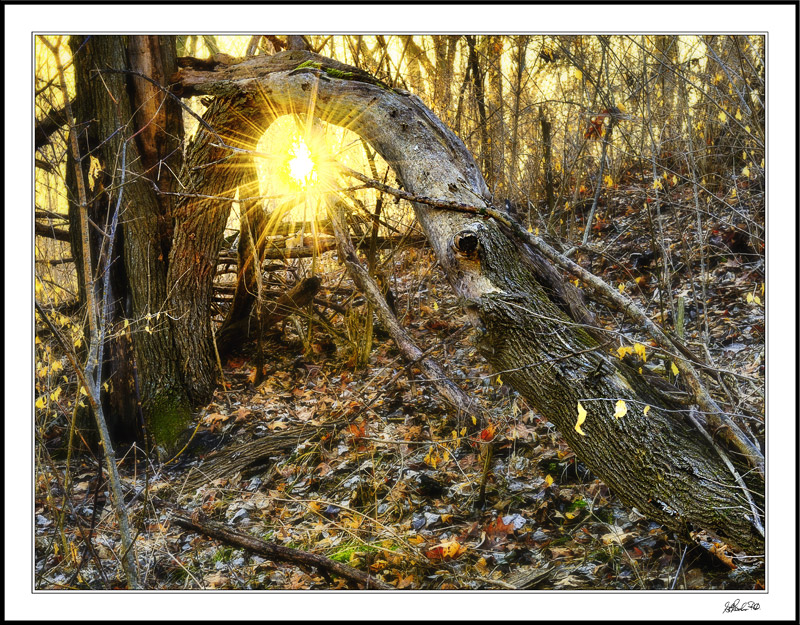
[[466, 244]]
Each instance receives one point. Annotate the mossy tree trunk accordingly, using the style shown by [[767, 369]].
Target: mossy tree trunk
[[657, 462]]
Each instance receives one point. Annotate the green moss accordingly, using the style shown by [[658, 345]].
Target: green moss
[[169, 415], [312, 64], [336, 73]]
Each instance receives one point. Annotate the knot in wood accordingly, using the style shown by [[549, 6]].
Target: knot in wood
[[466, 244]]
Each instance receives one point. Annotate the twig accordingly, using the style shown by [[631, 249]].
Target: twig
[[756, 520], [449, 390], [129, 560]]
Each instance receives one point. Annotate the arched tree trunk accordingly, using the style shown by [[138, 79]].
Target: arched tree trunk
[[656, 461]]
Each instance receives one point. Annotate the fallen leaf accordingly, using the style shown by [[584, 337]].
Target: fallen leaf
[[620, 409], [449, 550], [581, 419], [215, 417], [404, 582]]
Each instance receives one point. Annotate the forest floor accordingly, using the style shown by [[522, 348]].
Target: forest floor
[[372, 469]]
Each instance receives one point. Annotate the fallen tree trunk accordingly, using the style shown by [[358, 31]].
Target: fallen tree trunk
[[531, 322]]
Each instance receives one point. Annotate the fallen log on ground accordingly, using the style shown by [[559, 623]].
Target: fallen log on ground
[[278, 552]]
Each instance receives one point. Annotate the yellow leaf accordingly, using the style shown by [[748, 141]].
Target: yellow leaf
[[548, 480], [474, 420], [646, 410], [56, 366], [665, 175], [621, 287], [83, 391], [620, 409], [746, 171], [608, 180], [757, 300], [435, 306], [40, 402], [622, 351], [674, 369], [739, 114], [723, 117], [56, 394], [499, 381], [125, 324], [733, 192], [578, 74], [657, 184], [674, 179], [581, 419], [749, 298], [640, 351], [147, 329], [530, 229], [78, 341]]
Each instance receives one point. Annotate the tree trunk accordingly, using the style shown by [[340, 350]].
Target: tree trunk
[[214, 173], [138, 285], [477, 82], [656, 462], [495, 114], [251, 252], [519, 67]]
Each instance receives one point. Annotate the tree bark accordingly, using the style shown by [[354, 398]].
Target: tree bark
[[495, 114], [239, 121], [138, 281], [657, 461]]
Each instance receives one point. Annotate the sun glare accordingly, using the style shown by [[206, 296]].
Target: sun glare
[[302, 169]]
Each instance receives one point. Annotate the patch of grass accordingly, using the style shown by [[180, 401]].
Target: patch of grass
[[346, 551], [223, 554]]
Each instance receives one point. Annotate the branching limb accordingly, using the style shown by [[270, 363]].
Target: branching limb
[[367, 285]]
